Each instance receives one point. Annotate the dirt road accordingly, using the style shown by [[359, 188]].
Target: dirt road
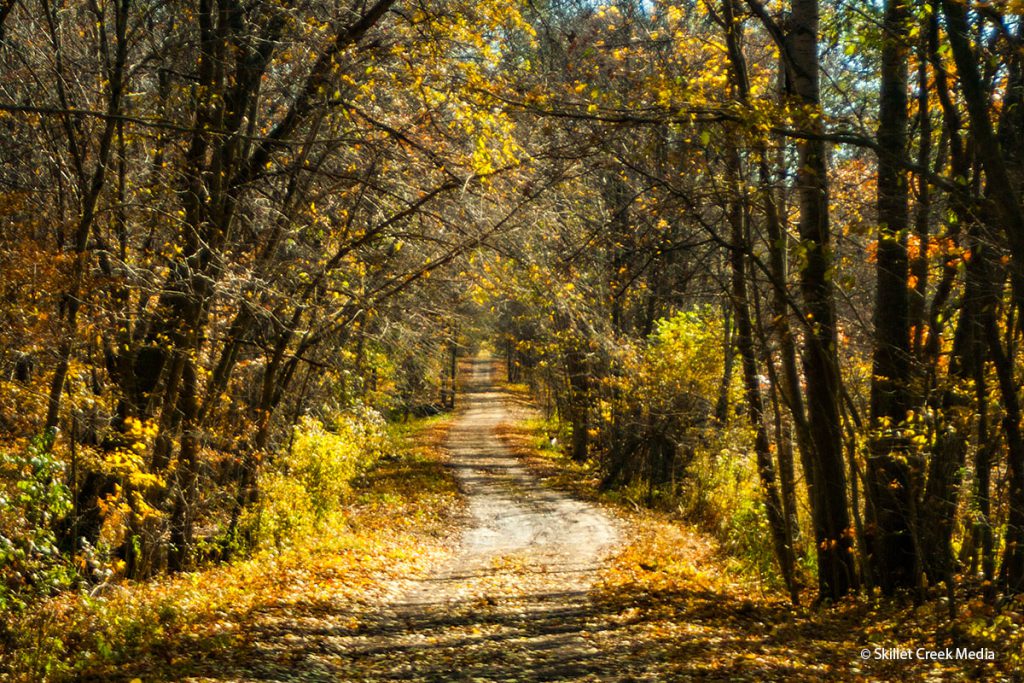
[[511, 603], [513, 520]]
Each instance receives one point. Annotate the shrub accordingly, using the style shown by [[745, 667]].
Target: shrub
[[33, 497], [307, 485], [663, 444], [657, 410]]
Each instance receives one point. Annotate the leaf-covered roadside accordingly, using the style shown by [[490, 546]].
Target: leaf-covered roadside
[[677, 606], [236, 618]]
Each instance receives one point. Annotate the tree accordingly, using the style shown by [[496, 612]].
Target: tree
[[893, 476]]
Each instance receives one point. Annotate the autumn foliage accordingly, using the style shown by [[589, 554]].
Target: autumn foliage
[[760, 264]]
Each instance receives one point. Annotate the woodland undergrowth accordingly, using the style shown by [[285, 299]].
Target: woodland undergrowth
[[391, 524]]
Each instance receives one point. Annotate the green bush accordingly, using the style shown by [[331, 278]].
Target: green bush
[[283, 514], [665, 446], [33, 497], [657, 410], [306, 486], [748, 538]]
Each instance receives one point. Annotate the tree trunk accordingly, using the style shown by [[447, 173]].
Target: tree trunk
[[1011, 573], [729, 354], [833, 535], [90, 190], [579, 410], [892, 479], [1004, 195], [737, 215], [186, 486]]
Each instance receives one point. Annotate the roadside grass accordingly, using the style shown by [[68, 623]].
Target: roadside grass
[[203, 623], [690, 610]]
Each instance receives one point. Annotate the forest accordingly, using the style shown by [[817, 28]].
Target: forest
[[731, 292]]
